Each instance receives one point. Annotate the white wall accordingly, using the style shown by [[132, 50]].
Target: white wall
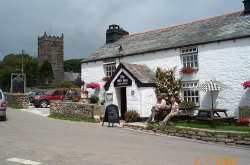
[[227, 62]]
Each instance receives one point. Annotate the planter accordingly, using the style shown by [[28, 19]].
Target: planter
[[84, 95], [188, 70]]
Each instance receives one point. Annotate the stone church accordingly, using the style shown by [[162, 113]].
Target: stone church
[[51, 48]]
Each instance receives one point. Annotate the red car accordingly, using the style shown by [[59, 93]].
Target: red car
[[43, 100]]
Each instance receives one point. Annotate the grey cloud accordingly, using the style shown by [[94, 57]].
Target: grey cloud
[[84, 22]]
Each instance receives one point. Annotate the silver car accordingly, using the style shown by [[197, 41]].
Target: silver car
[[2, 106]]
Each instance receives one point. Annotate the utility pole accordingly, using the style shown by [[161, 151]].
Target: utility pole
[[22, 61]]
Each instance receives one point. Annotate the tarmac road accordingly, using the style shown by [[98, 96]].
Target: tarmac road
[[27, 138]]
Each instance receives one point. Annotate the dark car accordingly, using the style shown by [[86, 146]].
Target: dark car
[[32, 93], [43, 100]]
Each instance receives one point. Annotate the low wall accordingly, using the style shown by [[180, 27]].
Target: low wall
[[76, 109], [228, 138], [15, 98]]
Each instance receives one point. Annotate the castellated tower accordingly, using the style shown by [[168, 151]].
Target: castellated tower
[[51, 48]]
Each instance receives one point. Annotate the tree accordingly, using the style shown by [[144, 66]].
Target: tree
[[46, 74], [73, 65], [167, 85], [12, 63]]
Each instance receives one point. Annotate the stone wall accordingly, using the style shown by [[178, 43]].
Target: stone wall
[[20, 99], [76, 109], [229, 138]]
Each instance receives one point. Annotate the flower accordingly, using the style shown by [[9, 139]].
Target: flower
[[246, 84], [188, 69], [242, 121], [93, 85], [79, 82]]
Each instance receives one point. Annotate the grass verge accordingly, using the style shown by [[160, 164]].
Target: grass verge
[[206, 126], [71, 118], [14, 106]]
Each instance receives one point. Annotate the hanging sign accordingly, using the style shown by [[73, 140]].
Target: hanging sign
[[111, 114], [122, 80]]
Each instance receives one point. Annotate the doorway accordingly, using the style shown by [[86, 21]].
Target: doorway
[[123, 97]]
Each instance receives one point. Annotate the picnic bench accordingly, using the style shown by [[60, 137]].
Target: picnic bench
[[213, 116], [183, 114]]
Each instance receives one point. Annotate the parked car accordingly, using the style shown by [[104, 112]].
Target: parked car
[[32, 93], [2, 106], [43, 100]]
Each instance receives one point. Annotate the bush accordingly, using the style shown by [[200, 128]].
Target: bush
[[242, 122], [94, 99], [187, 105], [131, 116]]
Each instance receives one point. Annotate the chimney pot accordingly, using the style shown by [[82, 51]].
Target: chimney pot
[[114, 33]]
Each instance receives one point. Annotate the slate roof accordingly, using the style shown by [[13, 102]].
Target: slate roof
[[143, 76], [224, 27], [70, 76]]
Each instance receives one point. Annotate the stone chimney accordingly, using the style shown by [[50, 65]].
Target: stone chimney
[[246, 6], [114, 33]]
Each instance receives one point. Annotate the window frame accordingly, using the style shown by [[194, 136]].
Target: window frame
[[190, 88], [109, 67], [189, 57]]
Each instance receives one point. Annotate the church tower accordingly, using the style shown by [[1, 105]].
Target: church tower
[[51, 48]]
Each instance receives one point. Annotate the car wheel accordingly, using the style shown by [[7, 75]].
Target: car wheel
[[3, 118], [43, 103]]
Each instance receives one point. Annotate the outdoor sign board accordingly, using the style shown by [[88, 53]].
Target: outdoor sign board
[[122, 80], [111, 114]]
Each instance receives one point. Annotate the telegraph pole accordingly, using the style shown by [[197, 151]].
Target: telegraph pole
[[22, 61]]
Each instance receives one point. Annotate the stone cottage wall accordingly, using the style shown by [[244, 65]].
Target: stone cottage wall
[[19, 99], [76, 109]]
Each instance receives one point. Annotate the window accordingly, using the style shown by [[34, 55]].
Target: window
[[109, 67], [189, 92], [189, 57]]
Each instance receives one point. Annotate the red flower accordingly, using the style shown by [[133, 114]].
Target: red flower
[[93, 85], [85, 91], [188, 69], [242, 121], [246, 84]]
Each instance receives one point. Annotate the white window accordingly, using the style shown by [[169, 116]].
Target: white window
[[189, 92], [189, 57], [109, 67]]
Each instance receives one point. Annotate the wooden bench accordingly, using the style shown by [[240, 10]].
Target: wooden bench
[[213, 116], [183, 114]]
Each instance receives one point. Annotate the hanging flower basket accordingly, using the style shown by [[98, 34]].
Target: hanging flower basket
[[188, 70], [246, 84], [107, 78], [93, 85]]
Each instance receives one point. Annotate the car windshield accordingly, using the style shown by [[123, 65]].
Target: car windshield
[[48, 92]]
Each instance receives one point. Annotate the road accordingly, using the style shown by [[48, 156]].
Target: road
[[34, 139]]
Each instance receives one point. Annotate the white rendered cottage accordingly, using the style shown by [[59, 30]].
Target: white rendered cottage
[[218, 48]]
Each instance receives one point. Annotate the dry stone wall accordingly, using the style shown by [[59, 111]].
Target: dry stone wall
[[20, 99], [76, 109]]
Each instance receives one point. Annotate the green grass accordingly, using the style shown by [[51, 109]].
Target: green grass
[[14, 106], [71, 118], [205, 125]]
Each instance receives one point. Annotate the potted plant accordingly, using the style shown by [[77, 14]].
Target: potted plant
[[246, 84], [188, 105], [188, 70], [84, 94], [131, 116], [94, 99]]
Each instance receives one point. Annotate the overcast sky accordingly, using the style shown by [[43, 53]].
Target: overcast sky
[[84, 22]]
